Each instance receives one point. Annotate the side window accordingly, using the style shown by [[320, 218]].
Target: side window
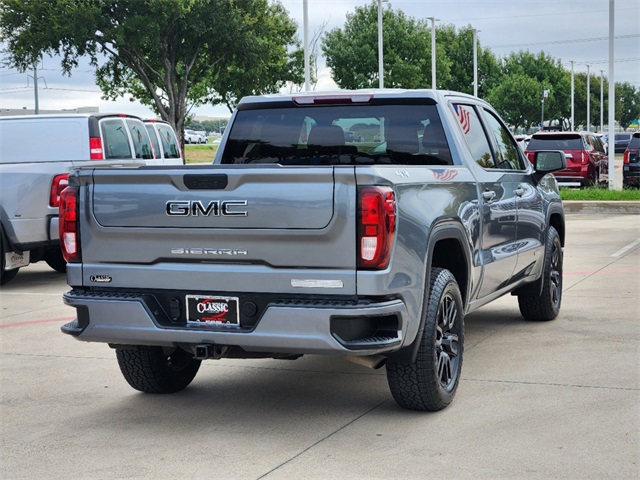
[[169, 142], [506, 148], [141, 141], [154, 139], [474, 135], [115, 139]]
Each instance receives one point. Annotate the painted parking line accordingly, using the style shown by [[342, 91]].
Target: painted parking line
[[626, 248], [35, 322], [602, 272]]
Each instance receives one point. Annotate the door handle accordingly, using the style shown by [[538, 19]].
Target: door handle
[[488, 195], [519, 191]]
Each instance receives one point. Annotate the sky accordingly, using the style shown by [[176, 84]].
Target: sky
[[569, 30]]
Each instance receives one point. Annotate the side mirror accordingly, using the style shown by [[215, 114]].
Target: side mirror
[[547, 161]]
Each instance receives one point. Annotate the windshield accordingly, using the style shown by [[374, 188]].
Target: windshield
[[338, 135]]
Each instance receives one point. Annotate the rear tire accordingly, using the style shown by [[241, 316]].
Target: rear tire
[[55, 260], [430, 382], [546, 306], [157, 369], [5, 276]]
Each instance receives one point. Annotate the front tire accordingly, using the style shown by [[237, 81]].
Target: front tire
[[431, 380], [157, 369], [546, 306]]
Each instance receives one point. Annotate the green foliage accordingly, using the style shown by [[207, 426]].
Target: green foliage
[[628, 108], [599, 194], [517, 98], [169, 54], [352, 52]]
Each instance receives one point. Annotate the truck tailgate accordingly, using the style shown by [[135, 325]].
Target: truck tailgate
[[205, 221]]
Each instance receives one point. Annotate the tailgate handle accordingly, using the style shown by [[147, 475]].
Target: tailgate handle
[[215, 181]]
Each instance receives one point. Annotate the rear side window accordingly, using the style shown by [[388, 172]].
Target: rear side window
[[154, 139], [556, 142], [30, 140], [474, 135], [140, 137], [338, 134], [115, 139], [169, 141]]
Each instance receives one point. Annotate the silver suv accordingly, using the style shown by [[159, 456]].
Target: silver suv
[[36, 154]]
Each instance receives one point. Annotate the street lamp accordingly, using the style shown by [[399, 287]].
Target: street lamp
[[433, 50], [475, 62], [572, 98], [588, 100], [380, 62], [601, 99], [307, 63]]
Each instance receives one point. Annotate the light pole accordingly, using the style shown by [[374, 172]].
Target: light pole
[[380, 62], [307, 66], [475, 62], [433, 51], [601, 99], [612, 93], [572, 98], [588, 100]]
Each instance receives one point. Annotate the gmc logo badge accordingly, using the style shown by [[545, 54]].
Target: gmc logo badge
[[215, 208]]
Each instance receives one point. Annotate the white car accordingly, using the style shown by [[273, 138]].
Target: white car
[[190, 136]]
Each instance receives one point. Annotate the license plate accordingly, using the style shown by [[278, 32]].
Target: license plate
[[207, 310], [16, 260]]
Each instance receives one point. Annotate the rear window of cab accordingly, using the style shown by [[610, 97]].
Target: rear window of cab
[[338, 135], [556, 142]]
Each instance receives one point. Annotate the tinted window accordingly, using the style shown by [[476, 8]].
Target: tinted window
[[339, 134], [169, 141], [556, 142], [635, 141], [506, 149], [474, 135], [115, 139], [141, 141], [154, 139]]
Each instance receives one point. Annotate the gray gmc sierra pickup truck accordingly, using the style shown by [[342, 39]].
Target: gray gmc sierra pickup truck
[[364, 224]]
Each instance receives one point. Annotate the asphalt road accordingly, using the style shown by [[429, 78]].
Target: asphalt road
[[536, 400]]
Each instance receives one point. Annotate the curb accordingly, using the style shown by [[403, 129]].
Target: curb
[[597, 207]]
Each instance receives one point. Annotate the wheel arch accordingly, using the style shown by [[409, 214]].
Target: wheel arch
[[448, 248]]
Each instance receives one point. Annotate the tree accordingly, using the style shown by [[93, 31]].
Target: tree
[[628, 108], [352, 52], [517, 100], [550, 75], [458, 47], [169, 54]]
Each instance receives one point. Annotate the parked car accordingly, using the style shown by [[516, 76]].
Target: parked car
[[165, 143], [191, 136], [36, 154], [587, 162], [621, 142], [631, 163]]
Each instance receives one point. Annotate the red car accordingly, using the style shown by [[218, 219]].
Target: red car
[[587, 161]]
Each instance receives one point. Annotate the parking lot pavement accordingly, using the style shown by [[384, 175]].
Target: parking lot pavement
[[536, 400]]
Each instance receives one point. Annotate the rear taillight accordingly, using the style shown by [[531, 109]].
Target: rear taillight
[[95, 148], [68, 225], [625, 159], [59, 183], [377, 225], [531, 155], [585, 158]]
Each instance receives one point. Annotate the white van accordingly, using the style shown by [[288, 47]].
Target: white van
[[36, 154], [165, 143]]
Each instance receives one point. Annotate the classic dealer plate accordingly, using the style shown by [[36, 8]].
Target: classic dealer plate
[[202, 309]]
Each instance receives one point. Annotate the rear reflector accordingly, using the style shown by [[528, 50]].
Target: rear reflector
[[59, 183], [95, 148], [68, 225], [376, 228]]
